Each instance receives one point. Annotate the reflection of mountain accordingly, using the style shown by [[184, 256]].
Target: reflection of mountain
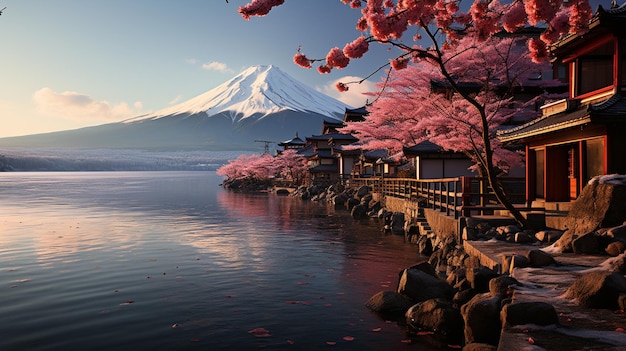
[[262, 102]]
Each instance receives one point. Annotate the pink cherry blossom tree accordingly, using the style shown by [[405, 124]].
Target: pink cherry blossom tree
[[417, 103], [256, 169], [437, 27]]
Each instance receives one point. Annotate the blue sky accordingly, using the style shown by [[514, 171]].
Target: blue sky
[[67, 64]]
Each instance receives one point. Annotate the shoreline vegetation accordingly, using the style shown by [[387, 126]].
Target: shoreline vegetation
[[451, 300]]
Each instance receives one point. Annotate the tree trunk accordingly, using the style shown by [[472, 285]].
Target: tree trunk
[[494, 182]]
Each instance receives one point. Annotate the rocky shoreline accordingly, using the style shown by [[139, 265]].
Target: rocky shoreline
[[452, 301]]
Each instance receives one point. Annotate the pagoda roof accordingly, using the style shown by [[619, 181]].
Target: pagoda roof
[[293, 141]]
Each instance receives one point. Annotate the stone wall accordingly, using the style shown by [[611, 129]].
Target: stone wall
[[440, 224], [409, 208]]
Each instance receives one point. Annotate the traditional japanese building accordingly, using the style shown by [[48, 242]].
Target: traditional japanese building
[[582, 136], [294, 143], [432, 161]]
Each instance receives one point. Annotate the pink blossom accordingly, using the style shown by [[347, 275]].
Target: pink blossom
[[515, 17], [355, 4], [357, 48], [361, 24], [341, 87], [538, 50], [301, 60], [324, 69], [399, 63], [539, 10], [258, 8], [580, 15], [336, 58]]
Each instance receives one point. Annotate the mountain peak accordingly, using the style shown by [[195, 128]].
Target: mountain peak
[[256, 91]]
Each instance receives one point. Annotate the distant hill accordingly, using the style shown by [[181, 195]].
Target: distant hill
[[261, 103]]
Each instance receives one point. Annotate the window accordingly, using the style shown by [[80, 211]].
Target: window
[[595, 69], [594, 149], [539, 156]]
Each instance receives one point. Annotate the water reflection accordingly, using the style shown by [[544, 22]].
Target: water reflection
[[77, 248]]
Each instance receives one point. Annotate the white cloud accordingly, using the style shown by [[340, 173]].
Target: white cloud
[[216, 66], [354, 96], [77, 106]]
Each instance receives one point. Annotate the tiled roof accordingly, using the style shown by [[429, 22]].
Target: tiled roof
[[594, 113], [430, 149]]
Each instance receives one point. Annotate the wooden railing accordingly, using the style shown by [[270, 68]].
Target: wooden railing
[[462, 196]]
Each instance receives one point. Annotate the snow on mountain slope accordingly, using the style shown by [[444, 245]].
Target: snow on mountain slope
[[258, 91]]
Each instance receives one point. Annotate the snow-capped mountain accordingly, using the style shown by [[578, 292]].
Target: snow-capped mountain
[[261, 103], [257, 91]]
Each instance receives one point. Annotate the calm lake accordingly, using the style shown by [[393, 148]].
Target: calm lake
[[171, 261]]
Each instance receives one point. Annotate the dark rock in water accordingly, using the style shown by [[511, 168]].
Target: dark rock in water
[[598, 289], [340, 200], [367, 198], [362, 191], [540, 313], [424, 267], [439, 316], [421, 286], [351, 203], [424, 246], [397, 222], [359, 211], [389, 304], [482, 319]]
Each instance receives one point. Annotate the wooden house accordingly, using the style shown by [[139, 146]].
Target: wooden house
[[431, 161], [582, 136]]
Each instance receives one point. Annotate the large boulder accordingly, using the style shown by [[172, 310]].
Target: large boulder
[[389, 304], [439, 316], [421, 286], [598, 289], [482, 319], [602, 204]]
